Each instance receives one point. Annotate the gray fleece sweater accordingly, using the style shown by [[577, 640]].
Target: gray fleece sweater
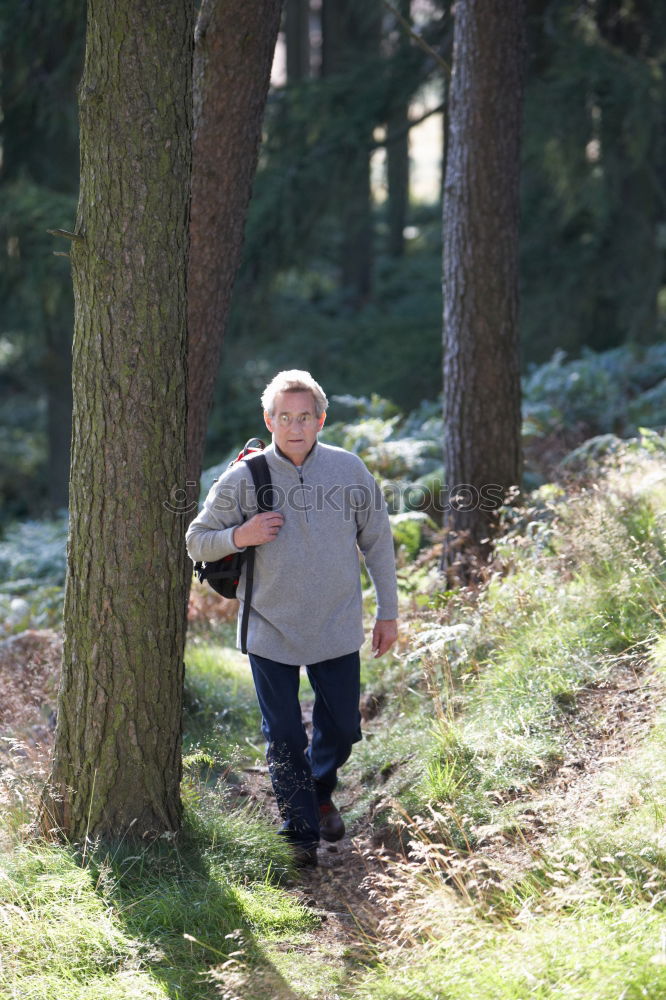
[[306, 598]]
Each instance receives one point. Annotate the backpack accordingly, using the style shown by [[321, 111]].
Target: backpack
[[223, 574]]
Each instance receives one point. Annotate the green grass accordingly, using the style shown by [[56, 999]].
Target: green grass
[[143, 921], [590, 955], [221, 709]]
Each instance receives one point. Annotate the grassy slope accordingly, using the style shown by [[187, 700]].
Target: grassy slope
[[477, 712], [583, 919]]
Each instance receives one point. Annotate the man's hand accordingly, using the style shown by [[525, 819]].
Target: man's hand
[[384, 635], [258, 530]]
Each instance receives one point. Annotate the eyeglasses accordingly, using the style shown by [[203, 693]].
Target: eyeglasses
[[302, 420]]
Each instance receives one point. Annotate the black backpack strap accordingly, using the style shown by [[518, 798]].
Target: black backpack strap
[[261, 477]]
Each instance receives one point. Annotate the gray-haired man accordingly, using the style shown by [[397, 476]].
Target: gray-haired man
[[306, 600]]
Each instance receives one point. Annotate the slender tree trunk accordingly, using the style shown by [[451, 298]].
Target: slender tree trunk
[[234, 47], [642, 278], [358, 35], [397, 159], [397, 173], [445, 138], [297, 31], [331, 36], [58, 381], [357, 254], [627, 301], [117, 765], [482, 455]]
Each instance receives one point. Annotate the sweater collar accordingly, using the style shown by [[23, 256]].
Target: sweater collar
[[308, 460]]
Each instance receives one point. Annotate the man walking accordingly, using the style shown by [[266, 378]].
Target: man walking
[[306, 606]]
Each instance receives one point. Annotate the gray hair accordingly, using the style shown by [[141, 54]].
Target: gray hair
[[294, 381]]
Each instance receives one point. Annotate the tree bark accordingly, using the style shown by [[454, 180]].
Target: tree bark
[[234, 47], [480, 266], [117, 766]]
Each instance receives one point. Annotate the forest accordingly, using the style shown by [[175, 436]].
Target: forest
[[453, 214]]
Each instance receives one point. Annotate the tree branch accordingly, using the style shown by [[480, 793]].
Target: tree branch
[[414, 35], [398, 134], [74, 237]]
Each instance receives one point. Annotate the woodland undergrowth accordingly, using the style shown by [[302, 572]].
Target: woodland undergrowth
[[532, 808]]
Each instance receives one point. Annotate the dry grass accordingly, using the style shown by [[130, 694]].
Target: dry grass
[[29, 673], [208, 608]]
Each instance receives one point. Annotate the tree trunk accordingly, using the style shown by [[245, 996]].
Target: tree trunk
[[480, 273], [350, 38], [397, 158], [358, 235], [297, 31], [58, 382], [331, 36], [117, 764], [234, 47], [397, 175], [632, 165]]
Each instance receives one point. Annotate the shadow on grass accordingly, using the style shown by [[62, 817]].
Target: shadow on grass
[[190, 922]]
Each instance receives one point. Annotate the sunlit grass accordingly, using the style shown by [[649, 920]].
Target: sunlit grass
[[593, 954], [585, 920], [221, 709], [136, 921]]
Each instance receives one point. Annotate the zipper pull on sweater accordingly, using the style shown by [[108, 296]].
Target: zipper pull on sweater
[[299, 469]]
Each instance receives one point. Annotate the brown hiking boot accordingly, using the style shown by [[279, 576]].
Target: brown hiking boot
[[305, 857], [331, 825]]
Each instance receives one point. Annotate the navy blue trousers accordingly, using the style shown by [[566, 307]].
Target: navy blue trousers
[[303, 776]]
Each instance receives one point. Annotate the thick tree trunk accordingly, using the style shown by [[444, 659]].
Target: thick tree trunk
[[480, 274], [234, 47], [117, 766]]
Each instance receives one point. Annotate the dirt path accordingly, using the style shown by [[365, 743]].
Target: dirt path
[[338, 888]]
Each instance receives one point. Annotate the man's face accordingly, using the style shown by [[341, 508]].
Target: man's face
[[293, 424]]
